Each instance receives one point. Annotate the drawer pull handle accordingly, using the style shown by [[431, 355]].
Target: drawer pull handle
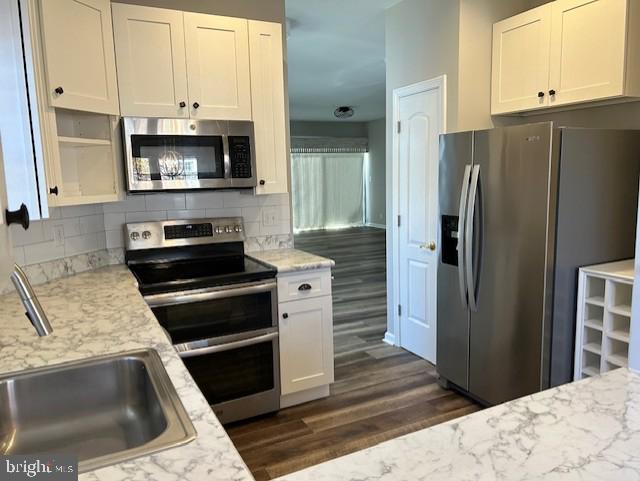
[[304, 287], [285, 316]]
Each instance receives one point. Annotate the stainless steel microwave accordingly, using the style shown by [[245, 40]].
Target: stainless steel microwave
[[185, 154]]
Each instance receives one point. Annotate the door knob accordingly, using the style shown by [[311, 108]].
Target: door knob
[[430, 246], [182, 104], [59, 90], [196, 105]]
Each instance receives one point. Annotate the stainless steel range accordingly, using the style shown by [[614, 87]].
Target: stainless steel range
[[218, 306]]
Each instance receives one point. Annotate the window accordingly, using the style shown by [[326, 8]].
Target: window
[[328, 190]]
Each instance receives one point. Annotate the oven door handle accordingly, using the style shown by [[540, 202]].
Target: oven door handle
[[229, 346], [184, 297]]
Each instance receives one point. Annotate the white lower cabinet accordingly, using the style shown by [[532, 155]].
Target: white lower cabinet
[[306, 347]]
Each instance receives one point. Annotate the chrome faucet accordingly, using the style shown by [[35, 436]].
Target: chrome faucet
[[34, 310]]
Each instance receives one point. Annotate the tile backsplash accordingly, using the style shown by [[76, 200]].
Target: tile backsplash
[[78, 230]]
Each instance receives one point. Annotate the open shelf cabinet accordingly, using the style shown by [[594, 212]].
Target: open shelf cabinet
[[603, 321], [85, 170]]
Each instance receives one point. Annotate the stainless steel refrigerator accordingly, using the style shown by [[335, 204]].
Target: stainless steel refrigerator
[[521, 208]]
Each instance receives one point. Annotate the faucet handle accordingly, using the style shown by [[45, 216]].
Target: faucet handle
[[34, 311]]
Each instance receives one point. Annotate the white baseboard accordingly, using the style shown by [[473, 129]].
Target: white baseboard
[[389, 338], [377, 226]]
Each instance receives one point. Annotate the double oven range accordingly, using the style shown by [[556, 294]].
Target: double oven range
[[218, 306]]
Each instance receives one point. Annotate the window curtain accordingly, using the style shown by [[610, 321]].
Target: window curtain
[[328, 190]]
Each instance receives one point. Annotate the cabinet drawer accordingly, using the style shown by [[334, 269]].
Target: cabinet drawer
[[304, 285]]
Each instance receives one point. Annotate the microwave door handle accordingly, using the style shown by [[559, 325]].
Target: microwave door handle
[[464, 193], [184, 297], [226, 156], [229, 346]]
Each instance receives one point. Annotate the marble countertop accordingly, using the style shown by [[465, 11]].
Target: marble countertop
[[292, 260], [587, 431], [102, 312]]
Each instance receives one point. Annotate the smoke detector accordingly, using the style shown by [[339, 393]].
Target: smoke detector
[[343, 112]]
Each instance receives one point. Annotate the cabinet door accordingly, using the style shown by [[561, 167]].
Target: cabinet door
[[520, 63], [150, 54], [79, 59], [268, 105], [218, 67], [587, 50], [6, 250], [306, 344]]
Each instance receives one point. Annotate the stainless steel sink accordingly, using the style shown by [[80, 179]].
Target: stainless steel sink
[[104, 410]]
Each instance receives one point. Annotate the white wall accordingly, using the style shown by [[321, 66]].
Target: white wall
[[421, 42], [304, 128], [266, 10], [254, 209], [474, 59], [376, 179], [96, 227]]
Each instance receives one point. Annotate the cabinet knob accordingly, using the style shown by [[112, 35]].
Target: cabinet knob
[[540, 95], [552, 92], [53, 190], [59, 90], [196, 105], [285, 316], [20, 216], [182, 104], [304, 287], [262, 182]]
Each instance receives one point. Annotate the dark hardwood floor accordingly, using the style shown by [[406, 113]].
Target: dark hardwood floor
[[380, 392]]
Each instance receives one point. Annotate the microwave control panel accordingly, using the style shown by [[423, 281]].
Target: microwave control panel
[[240, 157]]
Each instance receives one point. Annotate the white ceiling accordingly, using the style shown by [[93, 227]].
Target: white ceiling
[[336, 57]]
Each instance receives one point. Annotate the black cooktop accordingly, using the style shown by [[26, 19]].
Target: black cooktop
[[185, 268]]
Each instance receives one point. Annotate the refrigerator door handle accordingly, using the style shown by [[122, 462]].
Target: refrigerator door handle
[[468, 241], [464, 193]]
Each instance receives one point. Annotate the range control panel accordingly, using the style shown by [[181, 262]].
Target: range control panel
[[188, 231], [183, 232]]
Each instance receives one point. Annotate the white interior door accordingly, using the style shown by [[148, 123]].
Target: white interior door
[[419, 111]]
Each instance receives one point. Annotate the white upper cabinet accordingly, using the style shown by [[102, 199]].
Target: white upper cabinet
[[588, 50], [565, 53], [79, 57], [218, 67], [520, 71], [268, 104], [150, 52]]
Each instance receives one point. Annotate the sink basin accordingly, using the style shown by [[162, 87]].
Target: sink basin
[[104, 410]]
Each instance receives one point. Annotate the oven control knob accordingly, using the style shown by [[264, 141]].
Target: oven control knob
[[146, 234], [238, 229], [218, 230], [135, 236], [228, 229]]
